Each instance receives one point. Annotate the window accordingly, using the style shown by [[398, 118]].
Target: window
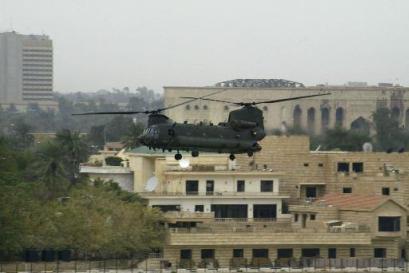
[[266, 186], [332, 253], [238, 253], [311, 192], [343, 167], [284, 253], [385, 191], [209, 187], [166, 208], [312, 217], [205, 107], [347, 190], [352, 252], [187, 107], [241, 185], [357, 167], [207, 253], [388, 224], [310, 252], [192, 187], [296, 217], [306, 164], [196, 107], [186, 254], [199, 208], [260, 253], [320, 165], [379, 253]]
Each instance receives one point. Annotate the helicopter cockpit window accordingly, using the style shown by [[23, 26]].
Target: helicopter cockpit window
[[187, 107], [204, 107], [196, 107]]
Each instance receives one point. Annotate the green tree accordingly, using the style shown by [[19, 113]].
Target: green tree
[[76, 151], [131, 138]]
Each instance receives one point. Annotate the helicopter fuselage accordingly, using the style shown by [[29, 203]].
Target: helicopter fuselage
[[222, 138]]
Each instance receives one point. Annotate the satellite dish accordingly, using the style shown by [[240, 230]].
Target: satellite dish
[[367, 147], [151, 184], [184, 163]]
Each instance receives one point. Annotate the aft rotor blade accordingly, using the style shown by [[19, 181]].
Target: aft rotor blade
[[287, 99]]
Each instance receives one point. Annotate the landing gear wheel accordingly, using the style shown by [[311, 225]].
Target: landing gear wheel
[[195, 153], [250, 153], [232, 157], [178, 156]]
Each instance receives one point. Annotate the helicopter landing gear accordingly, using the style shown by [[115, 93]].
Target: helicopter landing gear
[[178, 156], [195, 153], [250, 153], [232, 157]]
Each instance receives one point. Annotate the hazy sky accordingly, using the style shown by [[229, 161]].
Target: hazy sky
[[104, 44]]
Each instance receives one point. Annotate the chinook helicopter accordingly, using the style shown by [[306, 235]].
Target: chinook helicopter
[[240, 134]]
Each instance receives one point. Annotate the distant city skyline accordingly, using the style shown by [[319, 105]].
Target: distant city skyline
[[105, 45]]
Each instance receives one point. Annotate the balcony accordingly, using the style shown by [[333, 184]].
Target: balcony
[[214, 194]]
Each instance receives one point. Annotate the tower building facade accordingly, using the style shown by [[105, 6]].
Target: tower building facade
[[26, 71]]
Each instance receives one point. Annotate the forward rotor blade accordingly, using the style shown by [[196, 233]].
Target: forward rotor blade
[[192, 99], [225, 101], [147, 111], [112, 113], [287, 99]]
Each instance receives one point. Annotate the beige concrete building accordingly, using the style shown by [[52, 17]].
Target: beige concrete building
[[26, 71], [284, 205], [347, 106]]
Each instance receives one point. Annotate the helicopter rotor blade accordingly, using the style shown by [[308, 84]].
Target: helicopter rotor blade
[[224, 101], [147, 112], [258, 102], [288, 99]]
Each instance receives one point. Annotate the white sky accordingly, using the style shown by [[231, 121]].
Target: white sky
[[105, 44]]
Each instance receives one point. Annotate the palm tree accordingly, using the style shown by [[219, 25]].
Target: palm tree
[[50, 169], [76, 151], [131, 139]]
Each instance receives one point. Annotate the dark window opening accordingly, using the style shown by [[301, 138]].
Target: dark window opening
[[388, 223], [304, 220], [209, 187], [347, 190], [332, 253], [183, 225], [260, 253], [312, 217], [241, 185], [166, 208], [306, 164], [379, 253], [358, 167], [266, 185], [264, 211], [343, 167], [205, 107], [403, 253], [207, 253], [238, 253], [311, 192], [296, 217], [310, 252], [352, 252], [192, 187], [199, 208], [186, 254], [320, 165], [229, 211], [385, 191], [284, 253], [187, 107], [196, 107]]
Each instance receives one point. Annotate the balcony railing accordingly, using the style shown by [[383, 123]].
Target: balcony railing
[[195, 193]]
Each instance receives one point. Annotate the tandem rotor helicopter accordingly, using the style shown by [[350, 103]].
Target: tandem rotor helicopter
[[240, 134]]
